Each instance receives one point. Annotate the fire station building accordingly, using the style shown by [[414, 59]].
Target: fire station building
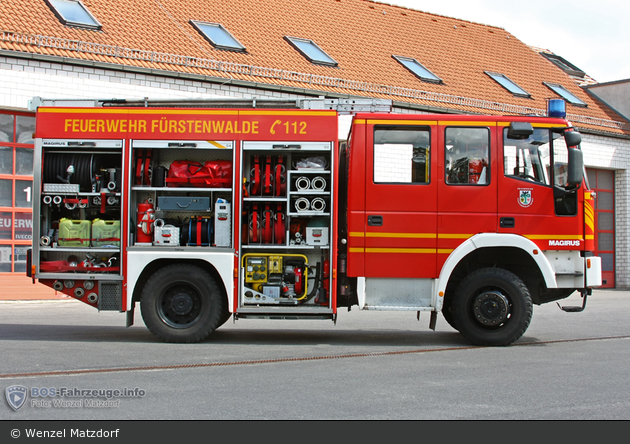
[[290, 49]]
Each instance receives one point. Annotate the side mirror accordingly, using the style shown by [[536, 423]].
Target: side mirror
[[520, 130], [573, 138], [575, 166]]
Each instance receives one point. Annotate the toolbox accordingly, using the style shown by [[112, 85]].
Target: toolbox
[[183, 203]]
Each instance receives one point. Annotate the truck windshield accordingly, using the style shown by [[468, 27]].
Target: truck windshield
[[531, 159]]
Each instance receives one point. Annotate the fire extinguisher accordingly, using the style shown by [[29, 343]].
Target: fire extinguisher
[[145, 218]]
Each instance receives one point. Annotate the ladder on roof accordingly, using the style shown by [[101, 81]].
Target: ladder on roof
[[342, 106]]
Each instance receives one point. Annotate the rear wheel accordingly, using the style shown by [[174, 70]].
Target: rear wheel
[[492, 306], [182, 303]]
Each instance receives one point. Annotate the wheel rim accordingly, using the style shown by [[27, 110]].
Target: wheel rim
[[180, 305], [491, 308]]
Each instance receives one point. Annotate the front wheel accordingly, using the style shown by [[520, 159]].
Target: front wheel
[[492, 306], [182, 303]]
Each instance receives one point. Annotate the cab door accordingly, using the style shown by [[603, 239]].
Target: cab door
[[467, 186], [400, 199]]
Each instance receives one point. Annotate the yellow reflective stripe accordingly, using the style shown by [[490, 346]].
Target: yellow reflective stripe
[[454, 236], [552, 237], [359, 122], [400, 250], [401, 122], [402, 235], [589, 220], [590, 237], [539, 125], [217, 144], [465, 123], [136, 111], [549, 125], [378, 234], [287, 113]]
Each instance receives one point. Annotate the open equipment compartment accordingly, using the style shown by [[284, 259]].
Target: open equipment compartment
[[181, 193], [77, 209], [286, 224]]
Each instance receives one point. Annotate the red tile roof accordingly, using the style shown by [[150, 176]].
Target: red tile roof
[[360, 35]]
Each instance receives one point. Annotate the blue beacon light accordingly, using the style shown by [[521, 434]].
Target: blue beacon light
[[556, 108]]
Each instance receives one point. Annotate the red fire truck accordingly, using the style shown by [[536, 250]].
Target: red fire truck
[[208, 211]]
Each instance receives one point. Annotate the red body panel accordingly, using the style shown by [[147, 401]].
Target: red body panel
[[197, 124], [184, 124], [424, 223], [405, 244]]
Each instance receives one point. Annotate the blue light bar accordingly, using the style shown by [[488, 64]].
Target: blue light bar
[[556, 108]]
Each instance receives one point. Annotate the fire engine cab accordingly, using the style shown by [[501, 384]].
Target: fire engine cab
[[206, 211]]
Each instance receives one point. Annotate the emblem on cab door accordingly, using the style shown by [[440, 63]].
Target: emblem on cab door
[[525, 198]]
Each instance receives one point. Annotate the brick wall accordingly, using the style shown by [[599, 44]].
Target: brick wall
[[23, 79]]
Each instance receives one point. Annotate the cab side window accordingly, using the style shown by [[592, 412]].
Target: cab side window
[[401, 154], [467, 156]]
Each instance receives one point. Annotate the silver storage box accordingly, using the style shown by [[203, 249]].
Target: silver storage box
[[183, 203], [222, 223]]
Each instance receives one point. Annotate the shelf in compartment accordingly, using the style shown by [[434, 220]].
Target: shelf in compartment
[[265, 199], [179, 248], [309, 193], [284, 247], [309, 213], [181, 189], [309, 170], [79, 194], [78, 275], [82, 249]]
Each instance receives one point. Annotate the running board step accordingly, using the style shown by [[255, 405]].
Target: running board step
[[322, 316], [574, 308]]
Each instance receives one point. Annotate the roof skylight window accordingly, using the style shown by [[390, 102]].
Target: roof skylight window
[[417, 69], [512, 87], [564, 64], [565, 94], [311, 51], [73, 13], [218, 36]]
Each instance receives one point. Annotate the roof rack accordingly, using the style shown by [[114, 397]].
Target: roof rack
[[343, 106]]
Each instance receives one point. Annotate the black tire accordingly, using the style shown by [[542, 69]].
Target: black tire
[[182, 303], [447, 312], [492, 306]]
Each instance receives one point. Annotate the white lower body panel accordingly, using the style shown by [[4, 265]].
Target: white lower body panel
[[396, 294], [222, 261]]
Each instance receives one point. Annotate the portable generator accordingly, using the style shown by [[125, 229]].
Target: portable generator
[[275, 278]]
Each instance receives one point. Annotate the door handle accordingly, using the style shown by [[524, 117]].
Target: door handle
[[375, 221], [507, 222]]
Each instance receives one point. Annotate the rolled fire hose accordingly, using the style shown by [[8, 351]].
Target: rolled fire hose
[[318, 204], [302, 204], [318, 183], [302, 183]]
